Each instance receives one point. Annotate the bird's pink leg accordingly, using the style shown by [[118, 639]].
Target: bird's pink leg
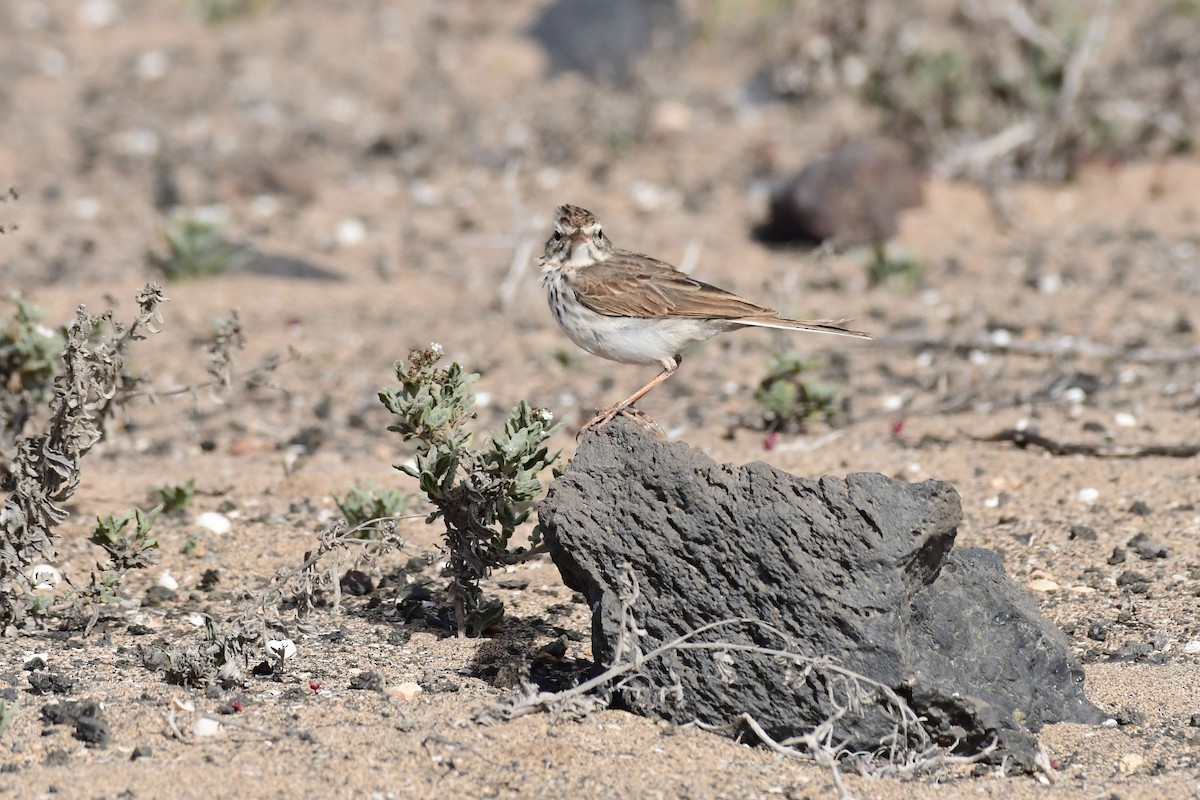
[[626, 406]]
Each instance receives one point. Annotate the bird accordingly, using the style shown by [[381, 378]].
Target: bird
[[634, 309]]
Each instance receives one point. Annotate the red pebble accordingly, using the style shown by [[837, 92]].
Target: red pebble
[[770, 440], [897, 427], [315, 686]]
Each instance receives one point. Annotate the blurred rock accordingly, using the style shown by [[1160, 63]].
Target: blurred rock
[[858, 570], [605, 39], [854, 195]]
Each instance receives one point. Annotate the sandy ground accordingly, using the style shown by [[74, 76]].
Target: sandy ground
[[325, 132]]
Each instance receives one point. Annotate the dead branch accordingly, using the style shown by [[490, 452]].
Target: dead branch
[[1066, 347], [908, 750], [1025, 438]]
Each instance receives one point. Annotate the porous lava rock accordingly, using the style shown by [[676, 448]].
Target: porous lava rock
[[859, 570], [852, 195]]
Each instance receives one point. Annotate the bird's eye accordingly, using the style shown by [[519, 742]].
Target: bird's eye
[[558, 236]]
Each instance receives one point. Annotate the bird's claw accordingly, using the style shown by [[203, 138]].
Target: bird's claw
[[636, 414]]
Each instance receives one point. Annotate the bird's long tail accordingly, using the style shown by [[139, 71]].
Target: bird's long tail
[[833, 326]]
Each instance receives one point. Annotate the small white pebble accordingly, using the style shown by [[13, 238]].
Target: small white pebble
[[894, 402], [1000, 337], [52, 63], [1075, 395], [992, 502], [1043, 585], [1109, 723], [152, 65], [425, 193], [167, 581], [139, 142], [1192, 647], [548, 178], [195, 619], [97, 13], [925, 359], [350, 231], [407, 691], [1089, 495], [185, 706], [212, 521], [1131, 762], [1050, 283], [1125, 420], [483, 399], [978, 357], [205, 726], [87, 208], [264, 205]]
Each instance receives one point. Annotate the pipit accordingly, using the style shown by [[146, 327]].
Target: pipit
[[634, 309]]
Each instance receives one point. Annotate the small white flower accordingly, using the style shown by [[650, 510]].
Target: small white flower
[[284, 647], [44, 576]]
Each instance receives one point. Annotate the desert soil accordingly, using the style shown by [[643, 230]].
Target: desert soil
[[406, 147]]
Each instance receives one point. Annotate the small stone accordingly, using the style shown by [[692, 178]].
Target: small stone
[[1140, 508], [212, 521], [1125, 420], [1088, 496], [141, 751], [1084, 533], [1194, 721], [350, 231], [1192, 647], [50, 683], [1146, 549], [1117, 556], [371, 681], [1135, 582], [1097, 632], [357, 583], [1130, 716], [1131, 762], [167, 581], [1043, 585], [406, 691], [205, 726]]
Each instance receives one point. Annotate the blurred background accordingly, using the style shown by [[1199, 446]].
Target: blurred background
[[363, 176]]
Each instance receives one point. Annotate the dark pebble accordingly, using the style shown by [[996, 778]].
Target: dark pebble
[[1139, 508], [1129, 716], [371, 681], [1146, 549], [1097, 632], [141, 751], [50, 683], [1118, 556], [1084, 533], [357, 583], [1194, 721], [1135, 582]]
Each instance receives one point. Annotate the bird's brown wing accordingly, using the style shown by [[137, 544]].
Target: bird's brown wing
[[618, 288]]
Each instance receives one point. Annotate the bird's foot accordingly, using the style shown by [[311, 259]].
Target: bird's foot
[[607, 415]]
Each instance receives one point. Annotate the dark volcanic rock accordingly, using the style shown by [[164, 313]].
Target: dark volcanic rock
[[859, 570], [853, 195], [605, 39]]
